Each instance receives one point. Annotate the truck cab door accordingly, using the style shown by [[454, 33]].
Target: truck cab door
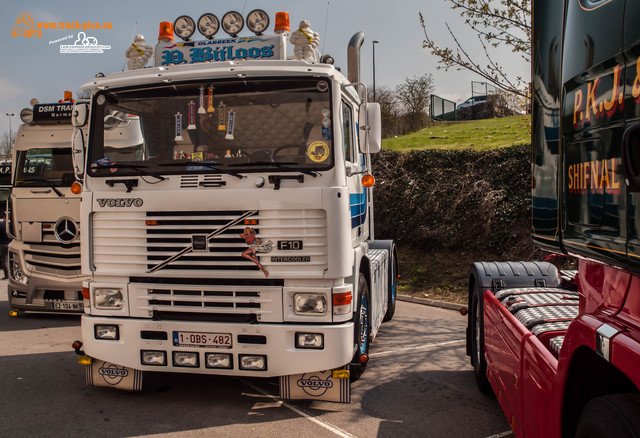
[[354, 164], [594, 196], [631, 139]]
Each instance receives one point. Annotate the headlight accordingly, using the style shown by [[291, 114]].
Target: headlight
[[309, 304], [108, 332], [253, 362], [185, 359], [310, 340], [153, 357], [108, 299], [15, 270], [218, 360]]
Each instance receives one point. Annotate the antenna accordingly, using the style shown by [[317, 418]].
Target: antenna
[[244, 7], [326, 22], [133, 35]]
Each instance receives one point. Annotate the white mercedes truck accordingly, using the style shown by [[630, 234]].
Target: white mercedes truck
[[230, 220], [44, 214]]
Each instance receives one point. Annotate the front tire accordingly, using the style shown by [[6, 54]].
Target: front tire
[[393, 273], [362, 330]]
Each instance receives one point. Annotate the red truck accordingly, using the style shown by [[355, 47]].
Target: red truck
[[561, 348]]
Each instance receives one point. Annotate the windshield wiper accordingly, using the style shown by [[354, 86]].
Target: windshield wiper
[[209, 164], [53, 187], [134, 167], [279, 165]]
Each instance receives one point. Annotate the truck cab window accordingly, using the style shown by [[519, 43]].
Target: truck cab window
[[347, 131]]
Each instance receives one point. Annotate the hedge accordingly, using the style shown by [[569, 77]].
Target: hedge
[[456, 199]]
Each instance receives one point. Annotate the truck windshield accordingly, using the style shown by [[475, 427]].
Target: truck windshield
[[44, 167], [241, 125]]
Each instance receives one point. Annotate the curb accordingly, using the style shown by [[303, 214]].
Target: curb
[[432, 303]]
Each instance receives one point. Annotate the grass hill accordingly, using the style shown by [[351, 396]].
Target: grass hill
[[477, 134], [442, 274]]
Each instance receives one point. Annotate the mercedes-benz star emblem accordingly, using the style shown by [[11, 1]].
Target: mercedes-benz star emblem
[[66, 229]]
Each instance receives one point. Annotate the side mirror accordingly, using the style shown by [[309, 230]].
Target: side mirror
[[77, 151], [79, 114], [369, 122]]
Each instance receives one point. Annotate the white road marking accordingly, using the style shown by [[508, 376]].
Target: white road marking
[[419, 347], [330, 427], [500, 435]]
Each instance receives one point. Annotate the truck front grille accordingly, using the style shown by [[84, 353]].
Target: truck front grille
[[135, 243], [54, 258]]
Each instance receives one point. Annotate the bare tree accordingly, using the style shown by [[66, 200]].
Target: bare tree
[[390, 110], [6, 144], [496, 23], [413, 94]]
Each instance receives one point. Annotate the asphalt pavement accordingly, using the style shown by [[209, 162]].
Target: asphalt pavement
[[418, 384]]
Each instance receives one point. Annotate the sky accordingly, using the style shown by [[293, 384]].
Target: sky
[[35, 67]]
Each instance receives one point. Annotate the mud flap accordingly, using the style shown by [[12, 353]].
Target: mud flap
[[101, 373], [319, 385]]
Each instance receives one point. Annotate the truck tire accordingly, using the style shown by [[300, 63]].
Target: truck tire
[[615, 415], [477, 342], [393, 273], [362, 329]]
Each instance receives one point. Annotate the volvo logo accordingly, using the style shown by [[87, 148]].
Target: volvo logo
[[66, 229], [120, 202]]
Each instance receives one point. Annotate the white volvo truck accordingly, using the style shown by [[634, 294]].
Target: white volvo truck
[[230, 223], [44, 214]]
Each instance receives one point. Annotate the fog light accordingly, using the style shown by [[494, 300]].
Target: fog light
[[158, 358], [309, 304], [218, 360], [108, 298], [18, 294], [253, 362], [310, 340], [108, 332], [185, 359]]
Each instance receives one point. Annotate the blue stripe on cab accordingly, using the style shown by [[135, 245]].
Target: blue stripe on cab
[[358, 202]]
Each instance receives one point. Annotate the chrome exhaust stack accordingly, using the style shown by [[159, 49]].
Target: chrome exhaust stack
[[353, 57]]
